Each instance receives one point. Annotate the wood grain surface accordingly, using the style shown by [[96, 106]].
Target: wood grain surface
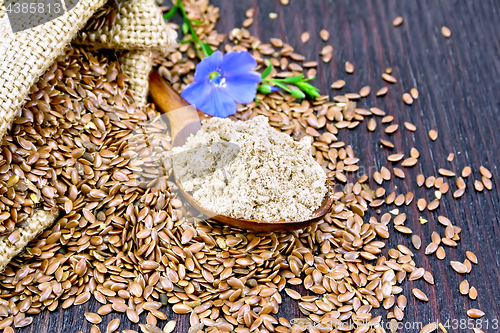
[[459, 83]]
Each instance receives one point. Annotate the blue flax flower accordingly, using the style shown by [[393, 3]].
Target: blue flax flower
[[221, 81]]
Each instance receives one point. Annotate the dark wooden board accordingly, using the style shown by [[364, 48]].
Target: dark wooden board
[[459, 83]]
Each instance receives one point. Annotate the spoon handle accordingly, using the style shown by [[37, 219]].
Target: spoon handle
[[167, 100], [164, 96]]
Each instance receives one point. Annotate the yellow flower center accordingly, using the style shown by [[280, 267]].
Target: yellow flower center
[[214, 76]]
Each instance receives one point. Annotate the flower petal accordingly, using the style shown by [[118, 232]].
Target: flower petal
[[196, 93], [237, 62], [208, 65], [243, 87], [218, 104]]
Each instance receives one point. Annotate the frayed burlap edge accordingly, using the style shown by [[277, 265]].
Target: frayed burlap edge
[[38, 222]]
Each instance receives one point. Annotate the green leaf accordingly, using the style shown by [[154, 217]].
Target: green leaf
[[297, 93], [267, 71], [196, 21], [206, 49], [170, 13], [283, 86], [313, 94], [309, 89], [305, 85], [294, 79], [185, 28]]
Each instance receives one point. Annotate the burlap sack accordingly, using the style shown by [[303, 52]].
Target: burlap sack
[[26, 55]]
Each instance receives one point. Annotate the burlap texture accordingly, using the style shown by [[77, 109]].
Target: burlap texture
[[138, 25], [137, 65], [26, 55], [39, 221]]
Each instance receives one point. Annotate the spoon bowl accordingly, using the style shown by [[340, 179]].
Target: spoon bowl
[[182, 124]]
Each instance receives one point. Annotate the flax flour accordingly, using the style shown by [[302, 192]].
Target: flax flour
[[250, 170]]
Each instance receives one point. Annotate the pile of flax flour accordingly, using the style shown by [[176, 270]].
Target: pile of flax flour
[[250, 170]]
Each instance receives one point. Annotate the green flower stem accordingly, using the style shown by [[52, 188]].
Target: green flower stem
[[274, 80], [170, 13], [197, 41], [198, 44]]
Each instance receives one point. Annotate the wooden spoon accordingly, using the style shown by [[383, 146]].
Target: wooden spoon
[[184, 123]]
